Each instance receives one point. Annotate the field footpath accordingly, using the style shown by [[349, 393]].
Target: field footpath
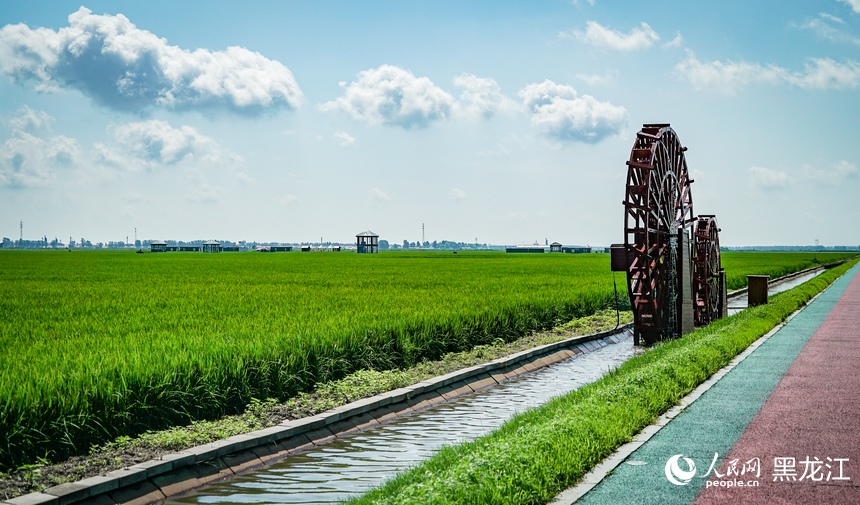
[[790, 394], [176, 473]]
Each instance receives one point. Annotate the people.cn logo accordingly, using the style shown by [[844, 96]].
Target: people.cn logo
[[678, 476]]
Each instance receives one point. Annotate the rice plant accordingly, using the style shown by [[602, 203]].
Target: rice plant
[[99, 344]]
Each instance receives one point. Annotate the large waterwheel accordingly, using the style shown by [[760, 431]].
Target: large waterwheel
[[658, 203]]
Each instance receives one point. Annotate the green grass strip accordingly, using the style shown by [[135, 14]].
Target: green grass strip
[[537, 454]]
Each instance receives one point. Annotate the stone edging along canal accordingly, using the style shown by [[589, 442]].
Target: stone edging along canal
[[179, 472]]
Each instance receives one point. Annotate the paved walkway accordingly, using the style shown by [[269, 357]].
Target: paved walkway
[[783, 426]]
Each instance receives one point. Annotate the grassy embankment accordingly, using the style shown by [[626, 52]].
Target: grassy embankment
[[106, 344], [537, 454]]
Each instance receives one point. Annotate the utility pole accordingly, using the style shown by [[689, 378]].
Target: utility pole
[[422, 234], [22, 231]]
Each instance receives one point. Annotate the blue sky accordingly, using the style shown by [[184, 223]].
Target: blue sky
[[506, 122]]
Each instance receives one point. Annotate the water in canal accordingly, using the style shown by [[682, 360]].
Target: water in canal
[[353, 464], [739, 303]]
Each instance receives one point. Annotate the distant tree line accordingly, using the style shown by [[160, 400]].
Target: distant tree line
[[445, 245]]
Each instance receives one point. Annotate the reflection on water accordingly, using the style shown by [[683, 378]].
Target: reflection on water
[[351, 465]]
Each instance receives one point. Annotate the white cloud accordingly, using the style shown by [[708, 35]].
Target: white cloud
[[854, 4], [32, 160], [678, 41], [28, 119], [481, 97], [837, 175], [825, 30], [597, 35], [379, 195], [767, 178], [125, 68], [831, 17], [345, 139], [392, 96], [156, 142], [560, 114], [729, 77], [598, 80], [458, 194], [824, 73]]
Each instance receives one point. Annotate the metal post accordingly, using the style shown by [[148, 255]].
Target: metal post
[[757, 291]]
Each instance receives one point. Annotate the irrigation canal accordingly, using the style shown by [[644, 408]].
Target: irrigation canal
[[738, 303], [353, 464]]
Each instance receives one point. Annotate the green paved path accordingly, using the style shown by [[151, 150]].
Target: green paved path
[[714, 422]]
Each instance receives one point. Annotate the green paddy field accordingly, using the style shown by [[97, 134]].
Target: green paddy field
[[99, 344]]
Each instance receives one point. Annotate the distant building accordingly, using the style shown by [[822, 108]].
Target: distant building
[[306, 248], [157, 246], [576, 249], [211, 246], [555, 247], [526, 249], [280, 248], [189, 248], [367, 242], [229, 248]]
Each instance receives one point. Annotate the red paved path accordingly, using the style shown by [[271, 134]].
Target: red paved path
[[814, 411]]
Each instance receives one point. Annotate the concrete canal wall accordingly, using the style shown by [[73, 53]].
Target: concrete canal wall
[[183, 471]]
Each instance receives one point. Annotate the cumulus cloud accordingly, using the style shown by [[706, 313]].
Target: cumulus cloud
[[481, 97], [729, 77], [597, 35], [28, 159], [560, 114], [28, 119], [767, 178], [392, 96], [125, 68], [854, 4], [458, 194], [156, 142]]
